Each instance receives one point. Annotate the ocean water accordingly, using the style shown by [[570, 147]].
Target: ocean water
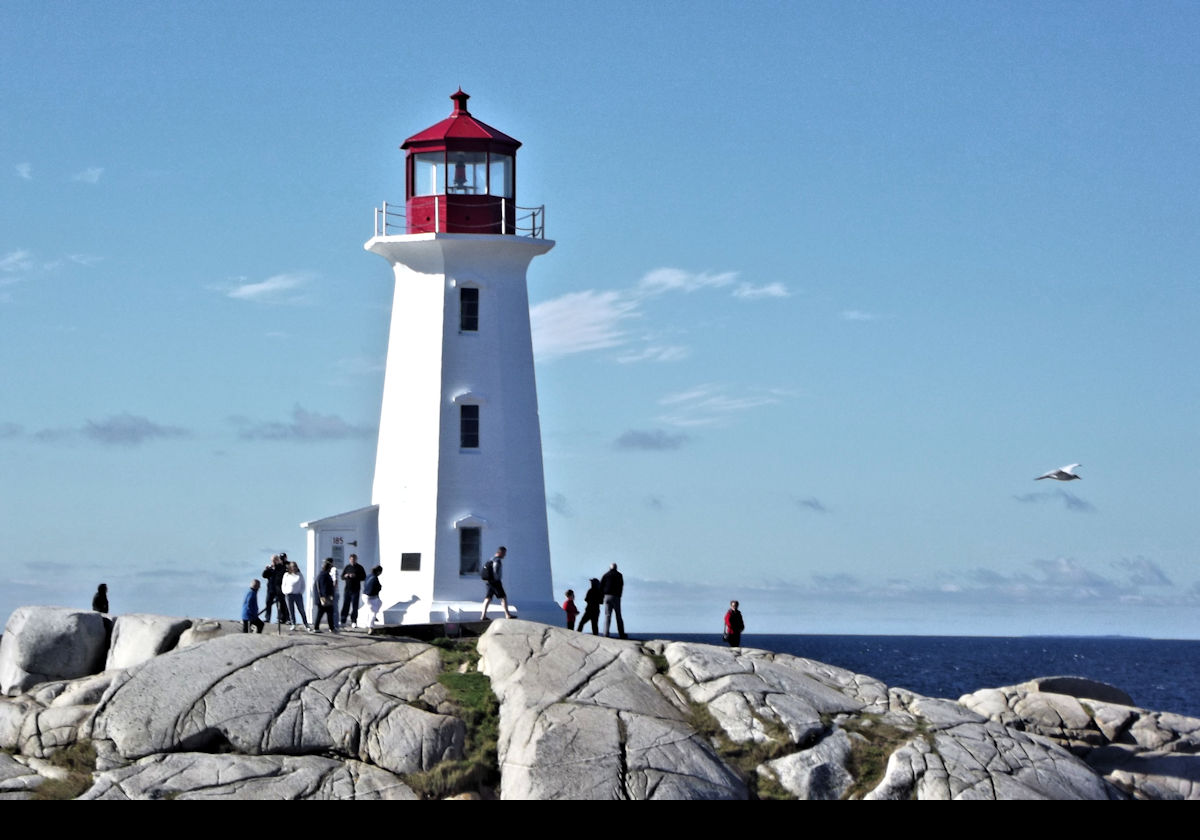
[[1159, 674]]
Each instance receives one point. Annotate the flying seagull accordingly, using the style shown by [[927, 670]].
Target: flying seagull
[[1066, 473]]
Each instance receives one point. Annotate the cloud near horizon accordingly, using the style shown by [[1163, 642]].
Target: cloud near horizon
[[124, 429], [306, 426]]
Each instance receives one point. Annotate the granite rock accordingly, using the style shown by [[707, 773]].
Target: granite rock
[[50, 643]]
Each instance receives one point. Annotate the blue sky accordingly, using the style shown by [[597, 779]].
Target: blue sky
[[833, 283]]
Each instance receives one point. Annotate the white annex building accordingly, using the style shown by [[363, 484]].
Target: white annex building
[[458, 468]]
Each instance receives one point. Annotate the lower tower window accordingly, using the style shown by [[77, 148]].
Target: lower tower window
[[469, 542], [468, 426]]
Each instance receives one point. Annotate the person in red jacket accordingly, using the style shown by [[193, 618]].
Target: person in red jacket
[[570, 609], [734, 625]]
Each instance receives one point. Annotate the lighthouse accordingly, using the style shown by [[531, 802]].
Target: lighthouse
[[458, 467]]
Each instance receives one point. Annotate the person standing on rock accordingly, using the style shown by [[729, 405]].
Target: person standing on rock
[[353, 576], [100, 599], [371, 589], [591, 607], [273, 575], [733, 625], [250, 609], [325, 596], [612, 585], [570, 609], [490, 573], [293, 590]]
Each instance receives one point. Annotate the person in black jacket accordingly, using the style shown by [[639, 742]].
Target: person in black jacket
[[100, 599], [591, 608], [612, 585], [273, 575], [325, 596], [352, 576]]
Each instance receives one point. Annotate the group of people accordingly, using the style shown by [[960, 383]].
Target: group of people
[[285, 591], [606, 590]]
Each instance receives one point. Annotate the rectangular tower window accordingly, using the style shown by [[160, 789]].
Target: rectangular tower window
[[410, 561], [468, 310], [468, 426], [469, 541]]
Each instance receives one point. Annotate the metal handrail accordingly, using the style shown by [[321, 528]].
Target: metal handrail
[[390, 220]]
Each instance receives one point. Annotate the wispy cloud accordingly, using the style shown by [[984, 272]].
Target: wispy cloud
[[285, 288], [591, 320], [1070, 500], [710, 404], [11, 430], [662, 280], [91, 175], [16, 261], [859, 315], [748, 291], [813, 504], [305, 426], [656, 353], [652, 440], [24, 170], [580, 322]]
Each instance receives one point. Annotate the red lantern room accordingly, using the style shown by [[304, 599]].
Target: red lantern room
[[461, 176]]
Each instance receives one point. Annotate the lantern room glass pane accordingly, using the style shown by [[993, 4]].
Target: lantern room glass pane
[[429, 173], [468, 173], [500, 178]]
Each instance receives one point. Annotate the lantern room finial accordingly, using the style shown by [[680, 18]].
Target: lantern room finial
[[460, 103]]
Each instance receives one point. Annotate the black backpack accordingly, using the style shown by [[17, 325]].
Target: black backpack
[[486, 571]]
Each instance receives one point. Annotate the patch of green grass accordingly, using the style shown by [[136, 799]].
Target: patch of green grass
[[869, 754], [660, 662], [79, 760], [744, 758], [471, 694]]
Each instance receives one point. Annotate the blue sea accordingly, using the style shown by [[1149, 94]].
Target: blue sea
[[1159, 674]]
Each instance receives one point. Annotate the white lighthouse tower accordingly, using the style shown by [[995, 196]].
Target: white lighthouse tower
[[458, 469]]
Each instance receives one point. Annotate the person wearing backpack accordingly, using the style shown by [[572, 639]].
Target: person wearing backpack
[[490, 573], [371, 589]]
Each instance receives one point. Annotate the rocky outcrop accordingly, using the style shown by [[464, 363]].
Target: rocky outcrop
[[1149, 755], [138, 637], [585, 717], [205, 776], [51, 643], [230, 715], [355, 698]]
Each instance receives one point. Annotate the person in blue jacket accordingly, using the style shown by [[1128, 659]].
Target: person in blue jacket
[[250, 609]]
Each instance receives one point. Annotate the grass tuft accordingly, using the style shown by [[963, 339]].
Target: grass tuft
[[79, 760], [470, 692]]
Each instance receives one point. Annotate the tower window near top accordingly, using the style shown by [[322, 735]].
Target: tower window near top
[[468, 426], [468, 309], [469, 542]]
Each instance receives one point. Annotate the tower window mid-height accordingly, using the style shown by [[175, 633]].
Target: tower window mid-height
[[468, 426], [468, 309]]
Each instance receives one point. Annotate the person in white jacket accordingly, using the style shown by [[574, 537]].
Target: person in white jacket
[[293, 591]]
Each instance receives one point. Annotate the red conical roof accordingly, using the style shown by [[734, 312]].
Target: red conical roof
[[460, 125]]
